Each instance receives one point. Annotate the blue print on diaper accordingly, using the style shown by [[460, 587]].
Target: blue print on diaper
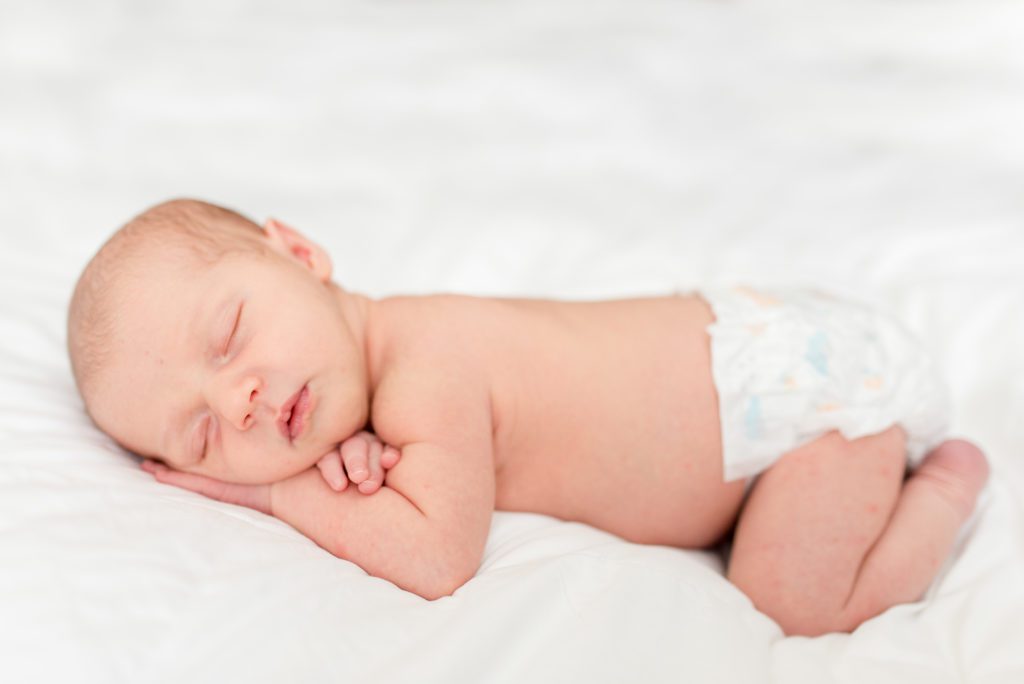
[[815, 353], [753, 418]]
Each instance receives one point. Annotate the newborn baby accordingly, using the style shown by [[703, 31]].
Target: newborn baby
[[224, 351]]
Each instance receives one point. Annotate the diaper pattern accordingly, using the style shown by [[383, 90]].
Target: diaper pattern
[[792, 364]]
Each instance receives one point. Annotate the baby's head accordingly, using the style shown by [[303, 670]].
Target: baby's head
[[193, 329]]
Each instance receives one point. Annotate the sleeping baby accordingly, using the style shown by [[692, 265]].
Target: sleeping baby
[[388, 430]]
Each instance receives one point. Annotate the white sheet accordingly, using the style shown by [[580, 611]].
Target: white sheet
[[573, 150]]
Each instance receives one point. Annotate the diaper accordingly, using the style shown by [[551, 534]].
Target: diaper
[[791, 364]]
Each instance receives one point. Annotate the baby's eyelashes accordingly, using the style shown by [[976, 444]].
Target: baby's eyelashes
[[234, 329]]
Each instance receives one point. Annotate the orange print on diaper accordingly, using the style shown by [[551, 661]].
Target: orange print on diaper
[[874, 382], [828, 406], [762, 299]]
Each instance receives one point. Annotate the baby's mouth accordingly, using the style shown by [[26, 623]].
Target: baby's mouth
[[299, 413], [293, 415]]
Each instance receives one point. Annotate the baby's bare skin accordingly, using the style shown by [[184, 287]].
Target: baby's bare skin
[[599, 412], [603, 412], [606, 413]]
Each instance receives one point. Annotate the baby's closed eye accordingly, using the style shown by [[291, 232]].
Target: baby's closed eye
[[234, 329]]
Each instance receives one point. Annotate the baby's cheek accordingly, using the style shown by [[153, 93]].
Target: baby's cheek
[[265, 468]]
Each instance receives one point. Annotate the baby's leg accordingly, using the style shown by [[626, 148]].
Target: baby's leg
[[831, 536]]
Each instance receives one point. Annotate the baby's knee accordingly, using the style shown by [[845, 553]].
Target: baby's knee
[[797, 611]]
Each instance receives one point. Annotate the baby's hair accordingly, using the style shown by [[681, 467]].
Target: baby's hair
[[185, 230]]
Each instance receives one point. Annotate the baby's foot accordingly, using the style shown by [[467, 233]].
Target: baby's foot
[[956, 470]]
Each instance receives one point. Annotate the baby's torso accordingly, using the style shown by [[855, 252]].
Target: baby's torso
[[604, 412]]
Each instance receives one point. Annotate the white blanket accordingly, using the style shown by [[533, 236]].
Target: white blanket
[[575, 150]]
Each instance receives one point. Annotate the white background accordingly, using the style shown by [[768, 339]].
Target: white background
[[557, 149]]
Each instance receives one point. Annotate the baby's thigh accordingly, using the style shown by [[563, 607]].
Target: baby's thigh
[[811, 517]]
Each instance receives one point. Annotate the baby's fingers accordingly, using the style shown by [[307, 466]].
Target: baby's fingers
[[376, 477], [196, 483], [331, 470], [389, 457], [253, 496], [354, 455]]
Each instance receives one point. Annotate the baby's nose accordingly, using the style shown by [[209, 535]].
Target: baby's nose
[[244, 413], [247, 418]]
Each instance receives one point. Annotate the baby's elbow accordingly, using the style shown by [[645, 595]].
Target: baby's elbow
[[423, 571], [450, 559], [431, 588], [438, 592], [432, 569], [445, 579]]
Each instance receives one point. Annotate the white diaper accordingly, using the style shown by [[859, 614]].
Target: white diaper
[[792, 364]]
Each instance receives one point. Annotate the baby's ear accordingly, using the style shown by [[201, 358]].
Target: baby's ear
[[293, 244]]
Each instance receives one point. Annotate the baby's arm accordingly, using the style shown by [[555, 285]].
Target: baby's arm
[[362, 453], [424, 530]]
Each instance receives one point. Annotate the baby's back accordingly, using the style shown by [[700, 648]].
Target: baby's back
[[604, 412]]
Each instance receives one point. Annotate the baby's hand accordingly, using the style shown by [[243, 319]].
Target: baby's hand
[[253, 496], [363, 457]]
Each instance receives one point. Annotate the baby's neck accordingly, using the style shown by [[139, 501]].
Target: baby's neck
[[358, 312]]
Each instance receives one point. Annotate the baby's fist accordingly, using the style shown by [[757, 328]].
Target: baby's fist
[[362, 458]]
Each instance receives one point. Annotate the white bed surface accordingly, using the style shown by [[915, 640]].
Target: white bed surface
[[571, 150]]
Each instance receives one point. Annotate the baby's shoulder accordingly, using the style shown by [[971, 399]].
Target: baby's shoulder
[[428, 329], [428, 369]]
